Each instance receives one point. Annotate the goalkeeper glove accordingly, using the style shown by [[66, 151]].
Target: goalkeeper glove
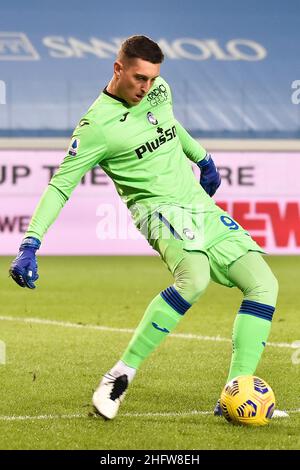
[[210, 178], [23, 269]]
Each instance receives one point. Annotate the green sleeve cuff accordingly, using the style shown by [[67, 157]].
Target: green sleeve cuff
[[50, 205]]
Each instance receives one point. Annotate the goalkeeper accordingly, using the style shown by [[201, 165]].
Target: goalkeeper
[[131, 132]]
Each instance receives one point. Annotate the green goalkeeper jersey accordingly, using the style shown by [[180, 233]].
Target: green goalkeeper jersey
[[142, 148]]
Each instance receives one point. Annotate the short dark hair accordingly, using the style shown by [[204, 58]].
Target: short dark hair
[[142, 47]]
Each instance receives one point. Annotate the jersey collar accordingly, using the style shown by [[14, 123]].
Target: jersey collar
[[115, 97]]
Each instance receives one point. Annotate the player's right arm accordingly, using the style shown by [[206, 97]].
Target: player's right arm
[[87, 149]]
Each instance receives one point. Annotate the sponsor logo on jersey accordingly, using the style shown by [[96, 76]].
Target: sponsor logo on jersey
[[16, 46], [74, 146], [158, 95], [188, 233], [151, 145], [151, 118]]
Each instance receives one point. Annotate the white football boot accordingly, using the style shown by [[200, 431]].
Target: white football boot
[[109, 395]]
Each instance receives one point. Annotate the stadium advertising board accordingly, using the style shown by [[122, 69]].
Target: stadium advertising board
[[259, 190]]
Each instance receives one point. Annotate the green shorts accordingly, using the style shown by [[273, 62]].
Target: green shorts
[[225, 252], [173, 231]]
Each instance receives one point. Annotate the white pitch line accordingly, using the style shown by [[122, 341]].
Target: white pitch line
[[40, 417], [166, 414], [42, 321], [170, 414], [125, 415]]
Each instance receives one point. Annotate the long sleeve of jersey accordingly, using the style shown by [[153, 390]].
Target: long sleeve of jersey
[[87, 149], [192, 149]]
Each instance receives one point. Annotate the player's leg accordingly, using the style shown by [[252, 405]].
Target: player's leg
[[252, 275], [191, 273], [191, 277]]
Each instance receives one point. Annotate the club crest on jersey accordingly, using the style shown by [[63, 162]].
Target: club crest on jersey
[[188, 233], [74, 146], [151, 118]]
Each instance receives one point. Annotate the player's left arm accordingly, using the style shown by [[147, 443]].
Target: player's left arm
[[210, 178]]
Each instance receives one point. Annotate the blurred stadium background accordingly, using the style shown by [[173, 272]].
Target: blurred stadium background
[[234, 68]]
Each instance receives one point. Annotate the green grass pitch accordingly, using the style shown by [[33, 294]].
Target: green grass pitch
[[52, 368]]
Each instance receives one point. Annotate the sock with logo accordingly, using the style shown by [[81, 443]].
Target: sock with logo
[[252, 275], [161, 317], [250, 333]]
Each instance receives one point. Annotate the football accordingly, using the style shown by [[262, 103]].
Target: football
[[248, 400]]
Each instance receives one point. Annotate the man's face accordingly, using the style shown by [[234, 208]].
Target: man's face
[[135, 77]]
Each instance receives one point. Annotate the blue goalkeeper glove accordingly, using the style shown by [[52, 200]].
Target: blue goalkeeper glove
[[23, 269], [210, 178]]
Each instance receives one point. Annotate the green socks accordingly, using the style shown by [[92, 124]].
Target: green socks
[[161, 317], [250, 333]]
